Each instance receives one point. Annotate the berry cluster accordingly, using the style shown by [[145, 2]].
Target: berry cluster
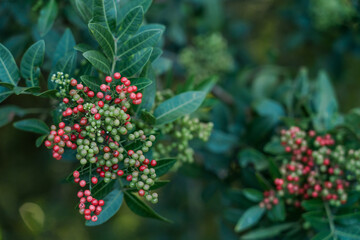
[[97, 124], [182, 131], [269, 200], [88, 204], [314, 169]]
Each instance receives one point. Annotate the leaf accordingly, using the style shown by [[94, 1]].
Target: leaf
[[253, 194], [130, 24], [47, 17], [40, 140], [256, 158], [277, 212], [5, 93], [82, 47], [269, 108], [105, 13], [98, 60], [65, 46], [32, 125], [22, 90], [66, 65], [113, 202], [84, 10], [164, 165], [8, 112], [138, 42], [147, 117], [220, 142], [105, 39], [178, 106], [47, 93], [207, 84], [267, 233], [7, 85], [274, 147], [141, 83], [92, 82], [324, 235], [32, 58], [348, 233], [312, 204], [140, 208], [325, 105], [9, 71], [250, 218], [131, 4], [33, 216], [159, 184], [135, 63]]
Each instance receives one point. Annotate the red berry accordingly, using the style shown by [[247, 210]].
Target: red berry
[[146, 161], [129, 177], [153, 163], [117, 75], [82, 183], [130, 152], [120, 173], [108, 79], [100, 95], [97, 116], [87, 192], [94, 202], [91, 94], [103, 87], [66, 100], [76, 174], [80, 194], [94, 180], [141, 192], [79, 86], [47, 143], [94, 218], [108, 98], [101, 203], [73, 82], [87, 217], [89, 198]]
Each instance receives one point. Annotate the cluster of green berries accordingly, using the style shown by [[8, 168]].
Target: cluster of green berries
[[99, 126], [181, 132], [314, 167], [209, 56]]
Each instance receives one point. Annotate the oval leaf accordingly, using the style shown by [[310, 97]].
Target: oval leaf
[[130, 24], [32, 125], [178, 106], [113, 202], [9, 71], [98, 60], [135, 63], [140, 208], [32, 58], [47, 17], [250, 218], [105, 39]]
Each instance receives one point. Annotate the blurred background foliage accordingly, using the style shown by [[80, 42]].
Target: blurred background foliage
[[254, 47]]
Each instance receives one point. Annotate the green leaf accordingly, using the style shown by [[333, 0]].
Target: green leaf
[[105, 13], [207, 84], [140, 208], [84, 10], [135, 63], [131, 4], [130, 24], [312, 204], [98, 60], [178, 106], [9, 71], [5, 93], [221, 142], [324, 235], [141, 83], [33, 216], [22, 90], [159, 184], [7, 85], [32, 125], [147, 117], [325, 105], [47, 93], [348, 233], [66, 64], [82, 47], [65, 46], [269, 108], [274, 147], [256, 158], [253, 194], [277, 212], [47, 17], [138, 42], [267, 233], [40, 140], [92, 82], [32, 59], [113, 202], [250, 218], [8, 112], [105, 39], [164, 165]]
